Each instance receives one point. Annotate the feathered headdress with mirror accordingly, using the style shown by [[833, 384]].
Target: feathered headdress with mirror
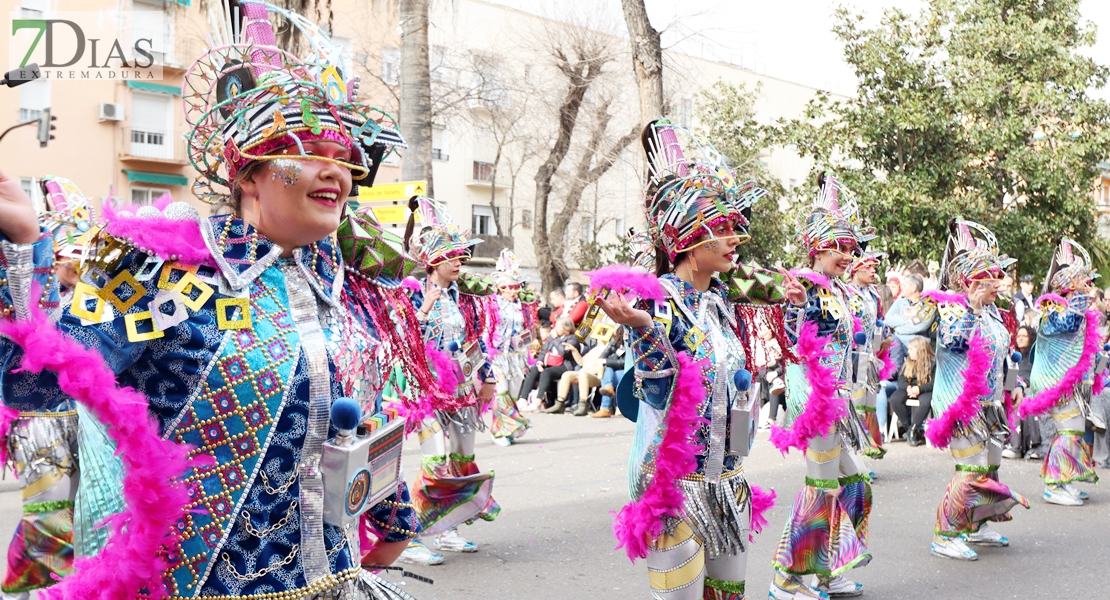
[[437, 238], [691, 190], [1071, 268], [971, 254], [833, 222], [245, 98]]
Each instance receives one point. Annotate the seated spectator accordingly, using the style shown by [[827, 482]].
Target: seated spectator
[[557, 301], [576, 300], [768, 372], [554, 360], [586, 374], [915, 390], [1027, 440], [616, 357]]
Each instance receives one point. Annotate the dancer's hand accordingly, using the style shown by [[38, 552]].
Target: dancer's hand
[[623, 313], [795, 291], [485, 393], [18, 221], [431, 296]]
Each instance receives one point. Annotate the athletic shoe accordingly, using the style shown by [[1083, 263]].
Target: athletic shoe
[[504, 442], [1009, 452], [986, 537], [873, 476], [1058, 494], [1074, 491], [791, 587], [954, 547], [418, 554], [841, 587], [451, 541]]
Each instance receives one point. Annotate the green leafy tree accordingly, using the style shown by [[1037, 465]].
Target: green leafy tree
[[973, 108], [727, 114]]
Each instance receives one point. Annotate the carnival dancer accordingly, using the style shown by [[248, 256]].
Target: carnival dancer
[[693, 511], [1063, 374], [204, 345], [826, 532], [450, 490], [870, 363], [40, 441], [969, 418], [509, 344]]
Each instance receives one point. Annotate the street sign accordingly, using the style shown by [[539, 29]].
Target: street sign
[[389, 201]]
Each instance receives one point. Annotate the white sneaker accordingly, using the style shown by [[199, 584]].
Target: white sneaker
[[986, 537], [451, 541], [504, 442], [1074, 491], [418, 554], [1058, 494], [791, 587], [952, 547], [1009, 452], [841, 587]]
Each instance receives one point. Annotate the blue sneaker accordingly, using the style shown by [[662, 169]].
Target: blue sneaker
[[451, 541]]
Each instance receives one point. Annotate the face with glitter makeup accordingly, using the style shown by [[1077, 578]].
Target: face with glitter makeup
[[295, 202], [718, 252]]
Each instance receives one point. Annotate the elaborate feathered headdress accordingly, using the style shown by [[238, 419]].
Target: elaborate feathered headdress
[[508, 273], [1071, 267], [867, 258], [246, 98], [68, 218], [971, 254], [690, 189], [438, 239], [833, 221]]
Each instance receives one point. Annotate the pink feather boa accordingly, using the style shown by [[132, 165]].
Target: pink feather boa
[[811, 276], [160, 235], [1053, 298], [1044, 401], [7, 417], [1099, 384], [888, 364], [448, 378], [412, 285], [132, 559], [939, 431], [641, 521], [822, 408], [762, 501], [945, 297], [622, 278]]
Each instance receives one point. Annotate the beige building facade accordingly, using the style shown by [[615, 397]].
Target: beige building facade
[[495, 91]]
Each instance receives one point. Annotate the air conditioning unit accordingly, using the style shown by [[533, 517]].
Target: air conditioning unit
[[109, 111]]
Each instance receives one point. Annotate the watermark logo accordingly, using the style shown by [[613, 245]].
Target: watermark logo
[[90, 45]]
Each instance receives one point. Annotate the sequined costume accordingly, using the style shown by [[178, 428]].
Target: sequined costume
[[975, 495], [968, 413], [1062, 378], [509, 345], [451, 490], [42, 443], [866, 365], [692, 511], [826, 532], [235, 350]]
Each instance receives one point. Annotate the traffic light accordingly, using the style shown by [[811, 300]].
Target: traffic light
[[46, 125]]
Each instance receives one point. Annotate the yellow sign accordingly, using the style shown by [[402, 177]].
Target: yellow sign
[[390, 214], [402, 190]]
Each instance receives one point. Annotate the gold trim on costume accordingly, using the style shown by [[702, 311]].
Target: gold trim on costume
[[969, 451], [823, 456]]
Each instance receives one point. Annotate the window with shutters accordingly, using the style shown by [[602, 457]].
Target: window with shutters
[[151, 125], [143, 196]]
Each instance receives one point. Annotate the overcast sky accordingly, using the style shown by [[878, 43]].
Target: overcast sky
[[789, 39]]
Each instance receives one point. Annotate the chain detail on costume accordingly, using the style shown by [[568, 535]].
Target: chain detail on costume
[[262, 573], [249, 525], [278, 491]]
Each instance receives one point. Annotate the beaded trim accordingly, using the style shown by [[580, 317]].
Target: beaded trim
[[977, 468]]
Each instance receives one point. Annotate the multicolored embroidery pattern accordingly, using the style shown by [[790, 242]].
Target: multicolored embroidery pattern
[[255, 366]]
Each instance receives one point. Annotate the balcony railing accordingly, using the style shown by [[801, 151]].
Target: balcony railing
[[152, 144], [491, 246]]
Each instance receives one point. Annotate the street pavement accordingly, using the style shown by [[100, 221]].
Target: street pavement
[[559, 484]]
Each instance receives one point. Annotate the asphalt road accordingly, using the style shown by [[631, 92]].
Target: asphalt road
[[557, 487]]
